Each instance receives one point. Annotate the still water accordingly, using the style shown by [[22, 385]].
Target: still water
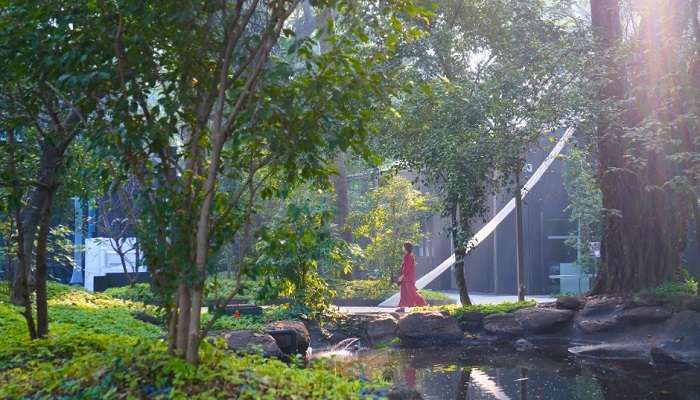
[[507, 375]]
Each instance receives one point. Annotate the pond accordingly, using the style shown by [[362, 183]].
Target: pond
[[509, 375]]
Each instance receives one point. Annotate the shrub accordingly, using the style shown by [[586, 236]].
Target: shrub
[[687, 286], [140, 292]]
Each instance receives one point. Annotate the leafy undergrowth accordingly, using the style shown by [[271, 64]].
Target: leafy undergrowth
[[97, 350], [486, 309], [688, 286], [376, 289]]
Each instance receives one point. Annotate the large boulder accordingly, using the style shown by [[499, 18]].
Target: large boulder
[[645, 314], [379, 327], [248, 342], [543, 320], [502, 324], [570, 302], [601, 305], [302, 335], [595, 325], [471, 321], [693, 303], [429, 328]]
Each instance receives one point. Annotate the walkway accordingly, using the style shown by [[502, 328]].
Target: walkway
[[477, 298]]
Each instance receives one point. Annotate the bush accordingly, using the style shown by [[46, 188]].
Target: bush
[[687, 286], [96, 350], [140, 292]]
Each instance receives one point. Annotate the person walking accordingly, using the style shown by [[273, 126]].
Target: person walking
[[409, 296]]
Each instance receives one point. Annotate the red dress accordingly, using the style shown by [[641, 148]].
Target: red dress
[[409, 294]]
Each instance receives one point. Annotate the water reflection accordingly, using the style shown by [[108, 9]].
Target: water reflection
[[441, 374]]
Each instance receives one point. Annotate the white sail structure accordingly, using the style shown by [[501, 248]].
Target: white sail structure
[[491, 226]]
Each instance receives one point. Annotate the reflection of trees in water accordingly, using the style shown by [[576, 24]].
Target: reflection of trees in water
[[442, 375], [523, 383], [464, 382]]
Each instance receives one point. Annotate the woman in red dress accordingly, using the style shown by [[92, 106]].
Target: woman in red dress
[[409, 294]]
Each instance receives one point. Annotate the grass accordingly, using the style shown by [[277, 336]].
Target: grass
[[376, 289], [96, 349]]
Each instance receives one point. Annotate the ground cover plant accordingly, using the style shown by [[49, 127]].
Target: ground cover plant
[[96, 349]]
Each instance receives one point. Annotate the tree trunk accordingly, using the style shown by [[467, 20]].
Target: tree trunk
[[519, 245], [340, 184], [30, 216], [460, 254], [644, 221], [22, 286], [42, 311], [342, 203], [193, 338], [183, 319]]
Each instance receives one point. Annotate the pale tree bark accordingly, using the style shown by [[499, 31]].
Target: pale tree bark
[[342, 202], [460, 254]]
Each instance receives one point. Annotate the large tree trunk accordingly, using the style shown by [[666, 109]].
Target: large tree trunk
[[644, 221]]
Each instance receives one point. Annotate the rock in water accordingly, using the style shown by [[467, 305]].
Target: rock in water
[[252, 342], [543, 320], [429, 328], [681, 342], [502, 324], [302, 334]]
